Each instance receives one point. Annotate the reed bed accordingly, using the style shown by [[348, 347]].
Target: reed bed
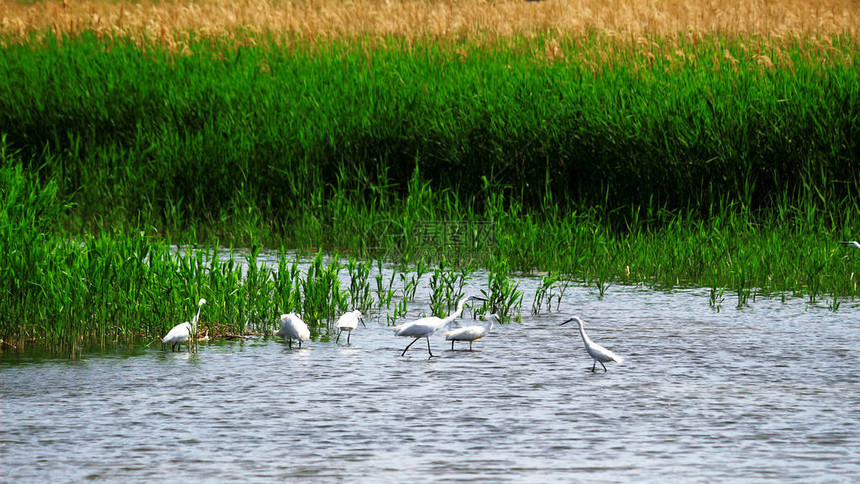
[[211, 140]]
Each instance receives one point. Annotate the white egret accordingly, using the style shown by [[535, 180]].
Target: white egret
[[471, 333], [425, 327], [292, 327], [597, 352], [348, 322], [181, 333], [850, 243]]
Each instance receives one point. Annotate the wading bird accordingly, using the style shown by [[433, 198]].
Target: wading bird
[[425, 327], [471, 333], [292, 327], [181, 333], [850, 243], [599, 353], [349, 322]]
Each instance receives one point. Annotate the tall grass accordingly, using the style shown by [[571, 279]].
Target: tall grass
[[236, 137]]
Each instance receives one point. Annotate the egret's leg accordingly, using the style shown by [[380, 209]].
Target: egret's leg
[[338, 337], [470, 345], [452, 345], [428, 347], [300, 343], [604, 366], [290, 342], [347, 337], [592, 366], [410, 344]]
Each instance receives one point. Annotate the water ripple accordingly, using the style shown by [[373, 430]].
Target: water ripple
[[768, 393]]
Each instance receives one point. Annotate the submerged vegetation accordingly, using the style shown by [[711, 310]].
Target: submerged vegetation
[[714, 155]]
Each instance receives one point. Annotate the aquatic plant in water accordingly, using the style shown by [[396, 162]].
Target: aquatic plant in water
[[503, 296]]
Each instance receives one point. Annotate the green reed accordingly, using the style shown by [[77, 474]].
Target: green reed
[[552, 286], [322, 298], [384, 293], [181, 142], [359, 287], [411, 280], [447, 287], [503, 295]]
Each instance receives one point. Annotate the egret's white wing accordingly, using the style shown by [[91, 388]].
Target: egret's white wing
[[469, 333], [178, 334]]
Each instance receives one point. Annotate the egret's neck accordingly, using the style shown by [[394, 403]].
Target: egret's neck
[[456, 314], [196, 316], [582, 333]]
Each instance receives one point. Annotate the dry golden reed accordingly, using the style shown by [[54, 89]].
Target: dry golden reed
[[465, 19]]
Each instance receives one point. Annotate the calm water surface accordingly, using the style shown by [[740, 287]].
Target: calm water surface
[[767, 393]]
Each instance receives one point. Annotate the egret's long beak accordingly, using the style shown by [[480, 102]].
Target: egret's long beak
[[361, 320], [569, 320], [480, 299]]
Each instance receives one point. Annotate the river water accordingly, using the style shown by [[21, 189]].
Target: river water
[[769, 392]]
